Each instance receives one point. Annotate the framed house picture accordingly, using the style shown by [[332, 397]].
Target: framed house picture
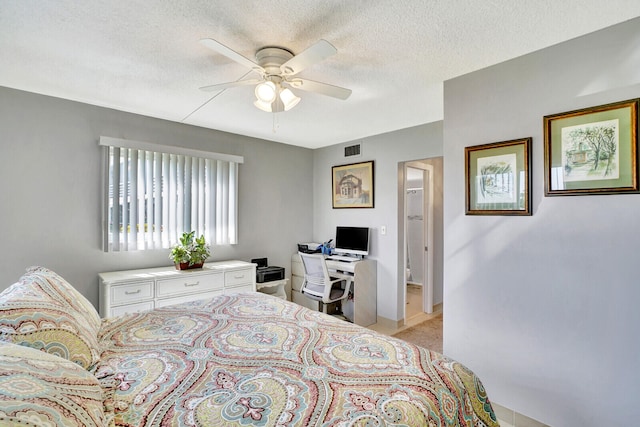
[[592, 151], [498, 178], [352, 185]]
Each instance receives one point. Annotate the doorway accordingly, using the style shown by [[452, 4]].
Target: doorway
[[419, 208]]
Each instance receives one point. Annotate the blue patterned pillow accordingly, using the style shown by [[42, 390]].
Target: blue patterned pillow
[[39, 389]]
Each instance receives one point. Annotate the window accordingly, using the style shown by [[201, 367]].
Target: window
[[152, 197]]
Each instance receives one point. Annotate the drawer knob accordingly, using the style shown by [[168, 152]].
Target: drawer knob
[[241, 276], [132, 292], [191, 284]]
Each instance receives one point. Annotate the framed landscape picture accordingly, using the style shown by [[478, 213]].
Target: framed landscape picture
[[352, 185], [592, 151], [498, 177]]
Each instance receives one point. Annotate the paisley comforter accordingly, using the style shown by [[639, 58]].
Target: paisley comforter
[[252, 359]]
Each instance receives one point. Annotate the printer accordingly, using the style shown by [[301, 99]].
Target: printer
[[310, 248], [267, 273]]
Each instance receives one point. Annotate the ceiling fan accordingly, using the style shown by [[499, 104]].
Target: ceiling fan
[[278, 68]]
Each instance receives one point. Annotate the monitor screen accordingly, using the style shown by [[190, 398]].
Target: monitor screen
[[352, 240]]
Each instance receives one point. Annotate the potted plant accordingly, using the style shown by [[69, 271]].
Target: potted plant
[[191, 252]]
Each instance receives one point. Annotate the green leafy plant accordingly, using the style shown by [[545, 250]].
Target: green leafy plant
[[191, 249]]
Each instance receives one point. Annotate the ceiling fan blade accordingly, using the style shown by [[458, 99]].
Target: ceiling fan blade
[[231, 54], [311, 55], [221, 86], [321, 88]]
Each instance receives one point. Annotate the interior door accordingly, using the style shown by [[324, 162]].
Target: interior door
[[428, 239]]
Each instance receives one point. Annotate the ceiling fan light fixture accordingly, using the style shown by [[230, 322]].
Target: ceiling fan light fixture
[[264, 106], [288, 99], [266, 92], [277, 66]]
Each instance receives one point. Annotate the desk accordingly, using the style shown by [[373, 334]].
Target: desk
[[365, 288]]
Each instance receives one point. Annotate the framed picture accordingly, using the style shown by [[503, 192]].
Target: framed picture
[[352, 185], [498, 178], [592, 151]]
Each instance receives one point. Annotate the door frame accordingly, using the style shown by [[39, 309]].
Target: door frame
[[428, 200]]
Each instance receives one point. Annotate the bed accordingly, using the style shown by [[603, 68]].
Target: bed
[[234, 360]]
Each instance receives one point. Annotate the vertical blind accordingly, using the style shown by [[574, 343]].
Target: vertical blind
[[152, 196]]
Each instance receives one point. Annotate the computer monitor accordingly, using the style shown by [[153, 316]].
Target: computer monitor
[[352, 241]]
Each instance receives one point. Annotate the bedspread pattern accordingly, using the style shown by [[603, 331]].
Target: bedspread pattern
[[251, 359]]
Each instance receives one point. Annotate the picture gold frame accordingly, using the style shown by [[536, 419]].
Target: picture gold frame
[[352, 185], [498, 178], [592, 150]]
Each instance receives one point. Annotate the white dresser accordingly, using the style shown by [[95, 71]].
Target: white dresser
[[136, 290]]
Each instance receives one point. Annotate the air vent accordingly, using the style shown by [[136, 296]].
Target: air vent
[[352, 150]]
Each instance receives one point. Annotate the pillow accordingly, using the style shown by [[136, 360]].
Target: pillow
[[39, 389], [74, 298], [45, 312]]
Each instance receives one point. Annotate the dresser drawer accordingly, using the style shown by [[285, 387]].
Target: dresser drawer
[[239, 288], [130, 308], [187, 298], [189, 284], [131, 293], [239, 277]]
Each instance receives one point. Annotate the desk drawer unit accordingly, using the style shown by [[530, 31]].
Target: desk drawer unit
[[189, 284], [296, 265], [297, 277], [296, 282]]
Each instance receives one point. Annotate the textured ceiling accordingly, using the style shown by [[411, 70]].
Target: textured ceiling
[[144, 56]]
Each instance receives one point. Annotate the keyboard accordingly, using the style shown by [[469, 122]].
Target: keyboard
[[342, 258]]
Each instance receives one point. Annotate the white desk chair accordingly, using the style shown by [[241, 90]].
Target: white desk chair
[[318, 285]]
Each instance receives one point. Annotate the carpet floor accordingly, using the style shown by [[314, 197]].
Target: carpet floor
[[427, 334]]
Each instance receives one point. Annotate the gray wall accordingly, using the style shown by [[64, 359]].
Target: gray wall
[[50, 200], [50, 193], [544, 308], [387, 150]]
